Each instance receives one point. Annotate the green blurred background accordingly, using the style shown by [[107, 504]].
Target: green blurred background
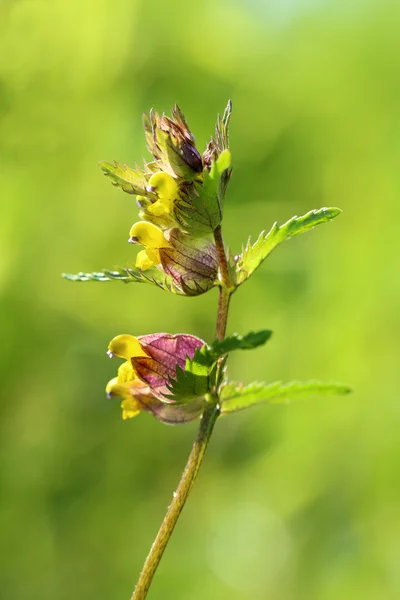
[[293, 503]]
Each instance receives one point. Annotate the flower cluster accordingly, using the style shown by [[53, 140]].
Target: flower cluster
[[180, 195], [143, 380]]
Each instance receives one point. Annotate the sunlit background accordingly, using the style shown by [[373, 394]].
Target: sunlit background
[[295, 502]]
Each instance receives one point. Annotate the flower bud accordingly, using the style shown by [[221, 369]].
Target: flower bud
[[172, 144]]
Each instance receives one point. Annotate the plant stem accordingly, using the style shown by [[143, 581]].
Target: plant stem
[[196, 456], [208, 420], [225, 288], [223, 307], [223, 263]]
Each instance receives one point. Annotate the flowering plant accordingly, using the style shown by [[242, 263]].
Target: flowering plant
[[178, 378]]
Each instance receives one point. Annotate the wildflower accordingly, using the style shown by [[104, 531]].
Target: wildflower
[[151, 362], [134, 395], [180, 195], [166, 189], [152, 238]]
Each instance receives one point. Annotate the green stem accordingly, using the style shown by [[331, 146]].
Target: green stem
[[208, 420], [223, 307], [196, 456], [225, 288], [223, 263]]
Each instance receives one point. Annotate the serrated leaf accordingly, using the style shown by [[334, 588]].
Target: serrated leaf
[[238, 342], [211, 192], [236, 396], [202, 372], [254, 254], [221, 142], [131, 181], [128, 275], [194, 381], [203, 212]]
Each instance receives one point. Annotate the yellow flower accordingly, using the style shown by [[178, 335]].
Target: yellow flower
[[151, 362], [131, 393], [125, 346], [152, 238], [129, 408], [166, 189], [126, 385]]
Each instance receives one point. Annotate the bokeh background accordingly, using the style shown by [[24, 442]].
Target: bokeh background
[[293, 503]]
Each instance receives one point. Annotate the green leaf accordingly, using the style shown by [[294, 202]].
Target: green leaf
[[223, 163], [238, 342], [128, 275], [131, 181], [254, 254], [236, 396], [202, 372], [194, 381], [201, 212]]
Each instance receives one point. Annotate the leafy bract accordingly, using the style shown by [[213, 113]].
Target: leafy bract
[[201, 213], [220, 142], [222, 127], [254, 254], [202, 372], [128, 275], [194, 381], [238, 342], [236, 396], [131, 181]]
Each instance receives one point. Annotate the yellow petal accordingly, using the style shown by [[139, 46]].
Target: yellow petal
[[163, 185], [125, 346], [161, 207], [126, 372], [130, 408], [110, 387], [148, 235], [115, 389], [147, 259]]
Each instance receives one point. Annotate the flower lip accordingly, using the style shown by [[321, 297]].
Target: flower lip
[[133, 240], [151, 189], [110, 354]]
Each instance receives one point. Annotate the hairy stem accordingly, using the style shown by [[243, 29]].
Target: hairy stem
[[196, 456], [223, 307]]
